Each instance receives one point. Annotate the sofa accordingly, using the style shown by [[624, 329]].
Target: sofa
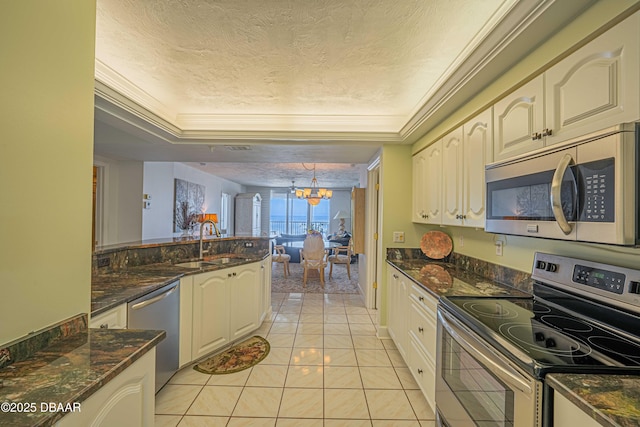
[[290, 238]]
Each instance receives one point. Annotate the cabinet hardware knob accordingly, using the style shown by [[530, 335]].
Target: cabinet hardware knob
[[547, 132], [420, 371], [104, 326], [228, 274], [395, 276], [420, 298], [420, 329], [234, 274], [536, 136]]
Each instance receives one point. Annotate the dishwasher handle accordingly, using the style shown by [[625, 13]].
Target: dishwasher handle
[[153, 300]]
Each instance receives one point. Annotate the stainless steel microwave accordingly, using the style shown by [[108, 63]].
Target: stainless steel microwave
[[584, 189]]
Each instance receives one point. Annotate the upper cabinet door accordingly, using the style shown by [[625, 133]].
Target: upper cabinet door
[[452, 178], [419, 182], [478, 146], [597, 86], [433, 184], [518, 119]]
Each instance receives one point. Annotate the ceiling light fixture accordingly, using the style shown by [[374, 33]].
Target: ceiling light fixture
[[314, 194]]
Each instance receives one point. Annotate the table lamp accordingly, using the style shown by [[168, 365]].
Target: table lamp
[[341, 215]]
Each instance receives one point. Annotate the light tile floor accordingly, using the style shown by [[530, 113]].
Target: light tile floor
[[326, 367]]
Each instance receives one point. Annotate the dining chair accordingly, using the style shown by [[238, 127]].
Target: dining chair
[[341, 255], [282, 257], [313, 257]]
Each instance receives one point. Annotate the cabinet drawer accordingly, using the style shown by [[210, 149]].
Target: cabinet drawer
[[423, 299], [116, 318], [422, 327], [423, 370]]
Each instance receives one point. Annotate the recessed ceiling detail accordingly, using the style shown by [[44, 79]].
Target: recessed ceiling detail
[[327, 81], [286, 65]]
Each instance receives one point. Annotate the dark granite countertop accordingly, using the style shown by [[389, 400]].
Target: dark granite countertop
[[110, 289], [443, 279], [612, 400], [70, 370]]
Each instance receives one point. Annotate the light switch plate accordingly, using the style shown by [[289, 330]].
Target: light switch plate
[[398, 237]]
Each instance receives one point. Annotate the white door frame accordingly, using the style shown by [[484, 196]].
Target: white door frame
[[372, 247]]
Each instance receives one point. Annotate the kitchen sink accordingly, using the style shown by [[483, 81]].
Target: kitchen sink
[[194, 264], [210, 262], [225, 260]]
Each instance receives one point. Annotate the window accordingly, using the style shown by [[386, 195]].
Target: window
[[290, 215], [224, 213]]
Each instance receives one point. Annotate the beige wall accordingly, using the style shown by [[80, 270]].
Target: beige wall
[[45, 162]]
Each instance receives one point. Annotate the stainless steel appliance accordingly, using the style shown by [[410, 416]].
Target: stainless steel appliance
[[493, 353], [160, 310], [585, 190]]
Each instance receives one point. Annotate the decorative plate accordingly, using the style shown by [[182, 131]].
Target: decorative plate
[[437, 275], [436, 244]]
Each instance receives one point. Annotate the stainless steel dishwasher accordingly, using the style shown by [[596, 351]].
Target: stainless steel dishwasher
[[160, 310]]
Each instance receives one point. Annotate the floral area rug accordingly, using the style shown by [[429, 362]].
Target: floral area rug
[[338, 284], [241, 356]]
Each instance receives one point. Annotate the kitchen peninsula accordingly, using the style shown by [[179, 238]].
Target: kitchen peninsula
[[82, 360]]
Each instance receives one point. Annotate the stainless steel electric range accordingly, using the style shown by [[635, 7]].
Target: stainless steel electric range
[[493, 353]]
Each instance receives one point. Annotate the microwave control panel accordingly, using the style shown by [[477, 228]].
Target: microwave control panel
[[597, 191]]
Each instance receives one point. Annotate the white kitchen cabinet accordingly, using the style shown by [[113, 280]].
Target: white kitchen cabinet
[[219, 307], [419, 208], [518, 119], [211, 312], [265, 267], [422, 333], [398, 303], [427, 185], [452, 177], [477, 152], [115, 318], [597, 86], [463, 154], [126, 400], [245, 292], [566, 413], [423, 370]]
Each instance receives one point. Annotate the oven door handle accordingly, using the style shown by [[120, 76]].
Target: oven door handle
[[489, 359], [556, 194]]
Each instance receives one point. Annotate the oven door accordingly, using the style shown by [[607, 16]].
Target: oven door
[[478, 387]]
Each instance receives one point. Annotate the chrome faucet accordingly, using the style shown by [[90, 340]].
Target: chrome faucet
[[213, 224]]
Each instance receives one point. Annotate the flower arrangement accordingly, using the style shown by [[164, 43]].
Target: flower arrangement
[[314, 233]]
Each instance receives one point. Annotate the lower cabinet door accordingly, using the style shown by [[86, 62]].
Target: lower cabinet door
[[210, 313], [246, 299], [423, 369], [128, 400]]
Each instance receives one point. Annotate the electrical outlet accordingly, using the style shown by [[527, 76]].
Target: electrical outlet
[[461, 241], [398, 237], [499, 244]]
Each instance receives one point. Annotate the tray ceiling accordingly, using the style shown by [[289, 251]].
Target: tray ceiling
[[344, 75]]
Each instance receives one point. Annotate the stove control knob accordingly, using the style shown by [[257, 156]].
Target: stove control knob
[[539, 336], [551, 267], [550, 343]]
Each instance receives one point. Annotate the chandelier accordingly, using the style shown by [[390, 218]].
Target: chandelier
[[314, 194]]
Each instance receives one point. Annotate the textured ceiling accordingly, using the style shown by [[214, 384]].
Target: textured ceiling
[[314, 81], [287, 57]]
